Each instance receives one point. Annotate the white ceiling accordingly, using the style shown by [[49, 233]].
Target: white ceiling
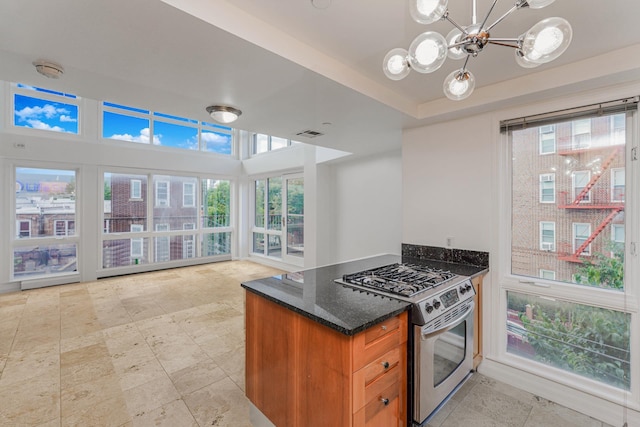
[[293, 67]]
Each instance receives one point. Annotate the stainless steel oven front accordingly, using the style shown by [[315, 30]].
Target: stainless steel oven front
[[443, 360]]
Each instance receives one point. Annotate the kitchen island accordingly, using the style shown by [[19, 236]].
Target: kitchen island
[[319, 353]]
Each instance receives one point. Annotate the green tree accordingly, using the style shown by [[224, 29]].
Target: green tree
[[107, 191], [604, 271], [218, 201], [588, 341]]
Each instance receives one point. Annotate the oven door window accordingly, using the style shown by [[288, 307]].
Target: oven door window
[[449, 353]]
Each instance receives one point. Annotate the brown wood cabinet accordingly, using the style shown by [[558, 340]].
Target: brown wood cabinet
[[299, 372], [477, 322]]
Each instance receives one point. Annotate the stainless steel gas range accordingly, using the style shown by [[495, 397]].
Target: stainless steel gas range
[[442, 324]]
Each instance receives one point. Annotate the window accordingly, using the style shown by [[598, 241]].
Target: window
[[617, 185], [617, 239], [162, 248], [136, 189], [43, 109], [547, 236], [263, 143], [46, 241], [64, 227], [581, 134], [548, 274], [136, 244], [547, 139], [578, 321], [162, 193], [548, 188], [580, 180], [23, 228], [190, 220], [581, 233], [216, 197], [188, 194], [164, 130]]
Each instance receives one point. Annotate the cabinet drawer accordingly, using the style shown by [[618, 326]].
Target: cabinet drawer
[[364, 393], [382, 410], [378, 367], [382, 328], [378, 340]]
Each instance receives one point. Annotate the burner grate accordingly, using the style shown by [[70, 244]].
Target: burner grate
[[401, 279]]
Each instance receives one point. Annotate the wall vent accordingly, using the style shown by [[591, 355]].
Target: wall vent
[[309, 133]]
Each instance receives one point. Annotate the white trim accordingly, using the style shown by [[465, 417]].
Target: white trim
[[191, 194], [544, 178], [616, 172], [544, 245], [166, 201], [574, 188], [574, 237], [135, 189]]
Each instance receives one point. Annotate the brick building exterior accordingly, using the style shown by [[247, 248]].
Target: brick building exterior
[[567, 195]]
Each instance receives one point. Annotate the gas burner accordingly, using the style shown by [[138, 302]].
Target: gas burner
[[405, 279]]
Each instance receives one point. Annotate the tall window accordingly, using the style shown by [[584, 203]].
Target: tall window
[[196, 224], [547, 139], [617, 185], [547, 236], [581, 233], [548, 188], [46, 241], [580, 180], [262, 143], [576, 322], [581, 134]]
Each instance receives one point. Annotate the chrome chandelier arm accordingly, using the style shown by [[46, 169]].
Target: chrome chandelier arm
[[487, 16], [455, 24], [499, 20], [514, 43]]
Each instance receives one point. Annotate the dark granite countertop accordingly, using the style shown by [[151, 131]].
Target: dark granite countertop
[[314, 293]]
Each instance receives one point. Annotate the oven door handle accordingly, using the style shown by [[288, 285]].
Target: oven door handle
[[455, 322]]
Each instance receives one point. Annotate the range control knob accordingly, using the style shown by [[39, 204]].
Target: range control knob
[[468, 288], [428, 307], [463, 290], [436, 304]]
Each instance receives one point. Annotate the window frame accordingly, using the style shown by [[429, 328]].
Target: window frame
[[136, 228], [542, 243], [614, 187], [544, 140], [167, 199], [192, 194], [553, 187], [624, 301], [135, 195], [574, 194], [574, 237]]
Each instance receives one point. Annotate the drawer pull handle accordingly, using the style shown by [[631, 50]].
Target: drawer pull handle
[[384, 327], [385, 365], [384, 401]]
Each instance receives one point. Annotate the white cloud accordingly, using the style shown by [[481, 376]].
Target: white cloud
[[37, 124], [143, 137], [212, 138], [64, 118], [48, 111]]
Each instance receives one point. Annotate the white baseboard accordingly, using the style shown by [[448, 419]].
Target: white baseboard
[[609, 412]]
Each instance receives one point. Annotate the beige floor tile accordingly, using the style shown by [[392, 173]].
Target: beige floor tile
[[42, 360], [195, 377], [173, 414], [111, 412], [90, 393], [30, 402], [219, 404], [150, 396], [495, 405], [137, 369], [80, 341], [549, 414]]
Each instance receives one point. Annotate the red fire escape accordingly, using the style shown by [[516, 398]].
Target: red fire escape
[[599, 203]]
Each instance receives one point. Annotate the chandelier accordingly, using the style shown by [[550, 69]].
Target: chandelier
[[544, 42]]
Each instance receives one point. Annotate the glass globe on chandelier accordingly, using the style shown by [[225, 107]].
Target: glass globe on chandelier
[[542, 43]]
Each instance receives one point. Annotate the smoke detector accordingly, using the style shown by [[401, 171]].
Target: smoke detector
[[49, 69]]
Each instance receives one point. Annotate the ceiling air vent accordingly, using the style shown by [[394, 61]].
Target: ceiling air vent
[[309, 133]]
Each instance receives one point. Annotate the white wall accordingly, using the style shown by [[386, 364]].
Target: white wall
[[446, 184], [366, 206]]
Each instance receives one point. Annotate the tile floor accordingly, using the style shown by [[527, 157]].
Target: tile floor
[[167, 349]]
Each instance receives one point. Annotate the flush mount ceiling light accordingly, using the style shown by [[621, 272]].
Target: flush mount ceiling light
[[542, 43], [49, 69], [223, 113]]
